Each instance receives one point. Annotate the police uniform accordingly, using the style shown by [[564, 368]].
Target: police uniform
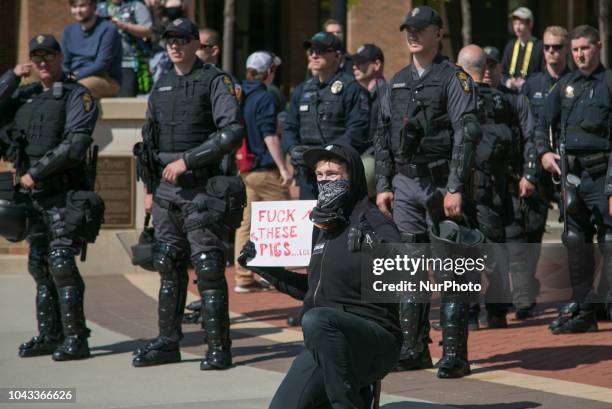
[[581, 106], [531, 213], [194, 117], [48, 139], [505, 154], [430, 148], [337, 110]]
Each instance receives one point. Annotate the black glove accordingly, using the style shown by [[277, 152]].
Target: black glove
[[297, 154], [362, 237], [247, 253]]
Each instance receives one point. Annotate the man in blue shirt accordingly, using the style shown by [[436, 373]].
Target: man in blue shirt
[[267, 178], [92, 50]]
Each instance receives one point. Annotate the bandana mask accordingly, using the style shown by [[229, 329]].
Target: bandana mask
[[329, 211]]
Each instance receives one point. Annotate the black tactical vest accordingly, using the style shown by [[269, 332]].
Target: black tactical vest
[[495, 117], [422, 102], [40, 120], [183, 108], [586, 113], [321, 110]]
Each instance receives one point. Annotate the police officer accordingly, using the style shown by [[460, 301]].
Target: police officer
[[506, 165], [47, 141], [433, 133], [193, 120], [580, 105], [329, 107], [368, 70], [535, 208]]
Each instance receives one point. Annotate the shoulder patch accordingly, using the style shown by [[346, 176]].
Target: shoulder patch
[[229, 84], [87, 102], [464, 81]]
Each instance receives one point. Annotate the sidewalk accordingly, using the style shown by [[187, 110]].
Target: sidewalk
[[515, 368]]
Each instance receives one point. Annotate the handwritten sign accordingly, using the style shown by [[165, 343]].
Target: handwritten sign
[[282, 233]]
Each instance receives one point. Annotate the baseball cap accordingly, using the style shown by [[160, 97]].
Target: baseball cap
[[260, 61], [523, 13], [314, 155], [323, 41], [183, 27], [492, 53], [368, 52], [421, 17], [44, 42]]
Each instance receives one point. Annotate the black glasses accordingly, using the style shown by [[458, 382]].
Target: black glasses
[[177, 40], [556, 47], [312, 51], [203, 46], [37, 59]]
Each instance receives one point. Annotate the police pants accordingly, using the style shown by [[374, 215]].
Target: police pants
[[169, 221], [410, 203], [344, 354], [594, 218]]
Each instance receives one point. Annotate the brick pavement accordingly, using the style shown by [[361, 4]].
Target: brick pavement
[[114, 302]]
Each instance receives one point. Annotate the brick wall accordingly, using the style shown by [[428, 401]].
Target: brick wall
[[378, 22]]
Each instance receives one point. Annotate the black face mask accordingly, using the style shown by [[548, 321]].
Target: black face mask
[[172, 12], [329, 212]]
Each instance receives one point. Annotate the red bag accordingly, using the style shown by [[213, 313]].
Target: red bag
[[245, 159]]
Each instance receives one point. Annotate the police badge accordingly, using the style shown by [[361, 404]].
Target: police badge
[[336, 87], [40, 39], [569, 91]]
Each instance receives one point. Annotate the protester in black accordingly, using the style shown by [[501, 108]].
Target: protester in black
[[349, 344]]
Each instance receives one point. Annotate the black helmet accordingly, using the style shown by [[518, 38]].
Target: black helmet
[[14, 220]]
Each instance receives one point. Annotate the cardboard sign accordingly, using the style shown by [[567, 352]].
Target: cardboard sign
[[282, 233]]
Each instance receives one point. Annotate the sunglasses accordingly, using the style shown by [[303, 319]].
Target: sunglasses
[[204, 46], [556, 47], [37, 59], [178, 40], [312, 51]]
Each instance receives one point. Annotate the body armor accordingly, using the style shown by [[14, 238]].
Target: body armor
[[322, 111], [182, 108]]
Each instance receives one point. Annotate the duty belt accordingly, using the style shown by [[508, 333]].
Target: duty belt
[[413, 170]]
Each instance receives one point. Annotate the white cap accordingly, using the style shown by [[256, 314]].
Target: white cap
[[523, 13], [262, 61]]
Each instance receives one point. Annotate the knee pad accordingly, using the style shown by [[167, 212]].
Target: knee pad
[[37, 265], [166, 260], [210, 270], [63, 268]]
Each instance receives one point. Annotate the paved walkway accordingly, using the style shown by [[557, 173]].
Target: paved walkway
[[516, 368]]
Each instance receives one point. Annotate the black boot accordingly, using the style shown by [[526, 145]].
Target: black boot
[[454, 362], [216, 323], [165, 348], [414, 321], [575, 318], [75, 344], [49, 324]]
